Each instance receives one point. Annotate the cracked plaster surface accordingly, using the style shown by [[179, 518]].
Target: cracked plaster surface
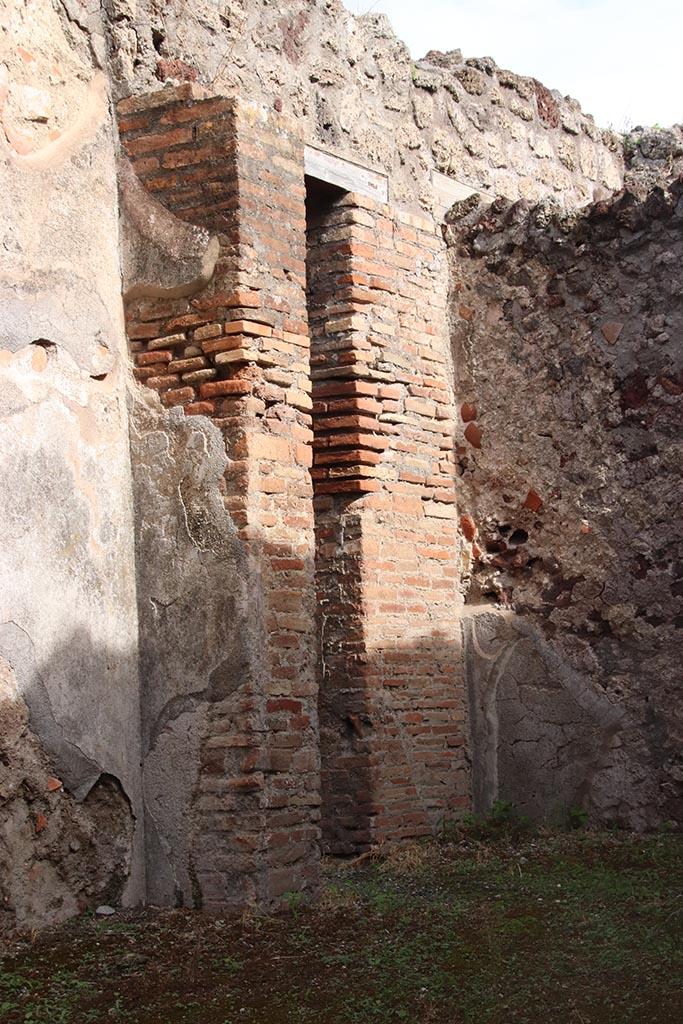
[[67, 579], [193, 600]]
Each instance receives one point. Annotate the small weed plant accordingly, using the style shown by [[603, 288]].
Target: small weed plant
[[501, 821]]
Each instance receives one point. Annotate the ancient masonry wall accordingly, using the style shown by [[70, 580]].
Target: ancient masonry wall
[[352, 88], [270, 601], [391, 690], [571, 500], [238, 353], [382, 437]]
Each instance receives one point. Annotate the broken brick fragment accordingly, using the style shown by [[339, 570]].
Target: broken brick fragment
[[356, 724], [41, 822], [176, 69], [611, 330], [468, 412], [53, 784], [468, 527], [533, 501], [473, 435]]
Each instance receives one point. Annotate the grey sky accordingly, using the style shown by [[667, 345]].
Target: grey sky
[[621, 59]]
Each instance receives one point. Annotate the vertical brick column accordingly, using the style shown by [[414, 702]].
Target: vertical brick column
[[269, 435], [239, 353], [392, 703]]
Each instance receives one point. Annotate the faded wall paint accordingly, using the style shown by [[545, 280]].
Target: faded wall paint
[[68, 622], [540, 732]]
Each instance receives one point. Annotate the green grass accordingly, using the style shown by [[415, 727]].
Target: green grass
[[489, 925]]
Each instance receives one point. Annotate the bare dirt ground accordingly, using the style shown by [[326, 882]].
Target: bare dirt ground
[[492, 923]]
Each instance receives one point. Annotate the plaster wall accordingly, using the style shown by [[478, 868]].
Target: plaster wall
[[72, 823], [194, 637]]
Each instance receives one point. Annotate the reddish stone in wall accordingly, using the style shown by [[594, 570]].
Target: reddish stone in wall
[[548, 110], [473, 435], [634, 391], [468, 527], [177, 69], [611, 330]]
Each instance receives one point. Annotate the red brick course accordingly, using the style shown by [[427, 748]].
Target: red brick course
[[391, 700]]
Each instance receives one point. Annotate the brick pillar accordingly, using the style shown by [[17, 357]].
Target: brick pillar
[[239, 353], [392, 702]]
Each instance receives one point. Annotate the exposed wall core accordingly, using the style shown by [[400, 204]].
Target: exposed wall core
[[571, 501]]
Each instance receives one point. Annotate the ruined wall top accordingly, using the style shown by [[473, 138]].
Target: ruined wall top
[[348, 81], [351, 84]]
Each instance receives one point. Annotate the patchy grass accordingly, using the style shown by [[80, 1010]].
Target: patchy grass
[[487, 926]]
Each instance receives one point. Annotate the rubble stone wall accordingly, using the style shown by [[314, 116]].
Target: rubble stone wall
[[350, 84], [568, 357]]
